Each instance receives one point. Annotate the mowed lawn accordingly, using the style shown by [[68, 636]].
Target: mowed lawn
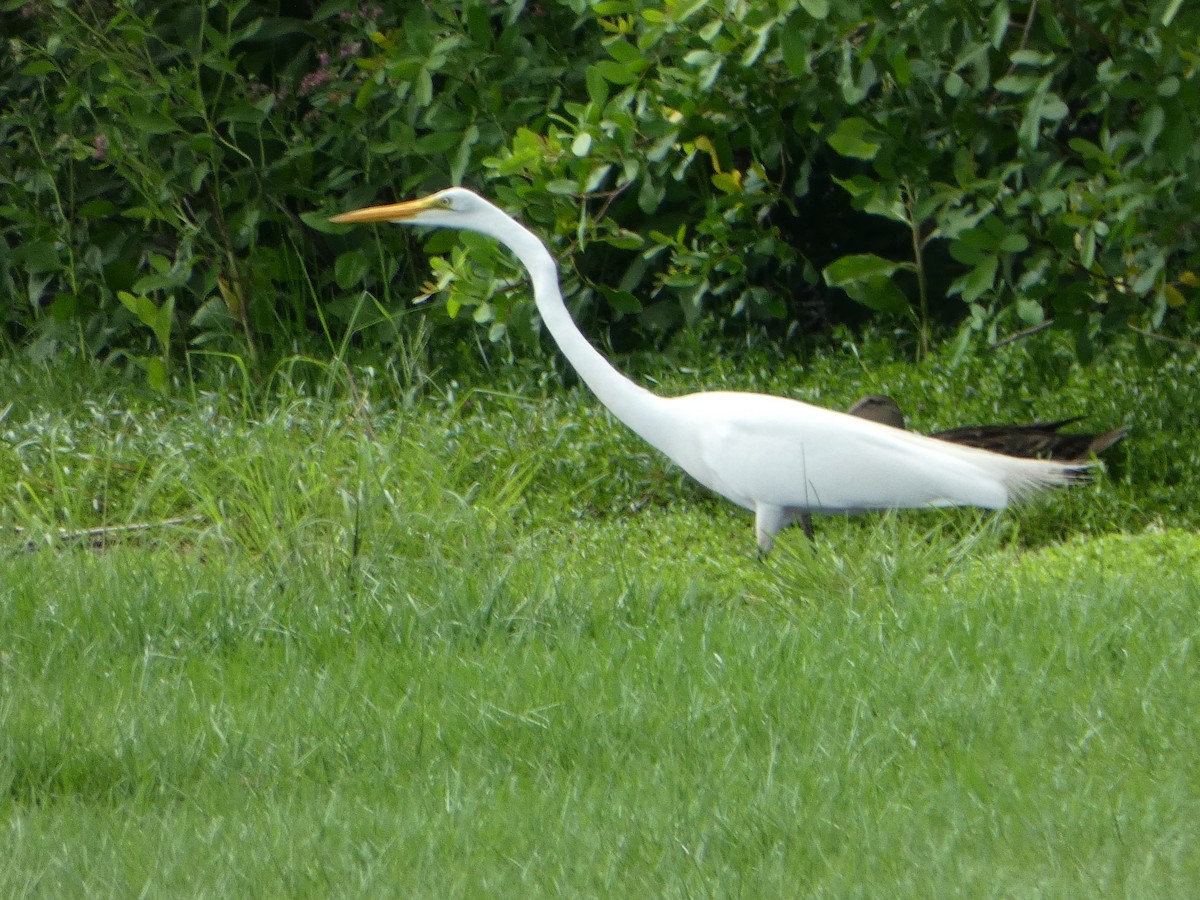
[[493, 647]]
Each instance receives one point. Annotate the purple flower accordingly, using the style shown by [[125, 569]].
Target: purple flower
[[314, 80], [323, 59], [349, 49], [99, 147]]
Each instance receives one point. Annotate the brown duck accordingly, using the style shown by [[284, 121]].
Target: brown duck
[[1041, 440]]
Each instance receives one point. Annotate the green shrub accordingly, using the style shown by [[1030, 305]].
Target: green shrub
[[1030, 163], [169, 167]]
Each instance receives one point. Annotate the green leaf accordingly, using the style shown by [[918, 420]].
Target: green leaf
[[624, 240], [979, 280], [249, 31], [350, 268], [857, 267], [981, 237], [1014, 243], [38, 67], [462, 155], [1170, 12], [244, 113], [1087, 247], [615, 73], [855, 90], [965, 253], [878, 293], [154, 282], [1017, 84], [96, 209], [157, 318], [319, 221], [873, 197], [795, 43], [423, 89], [1030, 311], [1087, 149], [196, 179], [1151, 126], [1031, 58], [138, 304], [37, 257], [1053, 109], [156, 373], [650, 196], [998, 24], [850, 139], [161, 322], [621, 301], [66, 306], [1053, 28], [624, 52], [597, 87], [726, 182], [138, 212], [562, 187], [153, 122], [613, 7], [437, 143], [818, 9]]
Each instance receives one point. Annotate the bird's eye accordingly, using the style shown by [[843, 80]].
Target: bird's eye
[[446, 202]]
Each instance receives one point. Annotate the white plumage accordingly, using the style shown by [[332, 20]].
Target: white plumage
[[778, 457]]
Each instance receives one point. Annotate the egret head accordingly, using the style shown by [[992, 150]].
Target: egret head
[[451, 208]]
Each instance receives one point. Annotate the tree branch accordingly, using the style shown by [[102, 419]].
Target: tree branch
[[1178, 342], [1020, 335]]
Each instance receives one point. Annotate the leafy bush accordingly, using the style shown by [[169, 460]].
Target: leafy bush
[[176, 156], [169, 166], [1050, 157]]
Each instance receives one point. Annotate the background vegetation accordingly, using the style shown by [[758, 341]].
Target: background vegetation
[[755, 166]]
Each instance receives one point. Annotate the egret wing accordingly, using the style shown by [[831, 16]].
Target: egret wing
[[758, 448]]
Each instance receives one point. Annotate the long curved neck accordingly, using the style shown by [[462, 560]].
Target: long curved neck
[[642, 411]]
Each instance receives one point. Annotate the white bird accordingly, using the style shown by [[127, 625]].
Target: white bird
[[779, 458]]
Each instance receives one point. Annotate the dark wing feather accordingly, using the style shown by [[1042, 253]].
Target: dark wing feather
[[1041, 440]]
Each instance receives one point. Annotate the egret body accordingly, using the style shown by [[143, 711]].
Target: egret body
[[779, 458]]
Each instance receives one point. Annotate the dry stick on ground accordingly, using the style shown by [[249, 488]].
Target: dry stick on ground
[[101, 532]]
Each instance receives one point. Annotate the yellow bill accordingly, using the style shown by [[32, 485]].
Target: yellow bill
[[390, 212]]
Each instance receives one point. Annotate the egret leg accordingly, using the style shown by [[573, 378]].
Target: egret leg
[[768, 520]]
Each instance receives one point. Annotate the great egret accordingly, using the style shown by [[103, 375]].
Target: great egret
[[777, 457], [1041, 440]]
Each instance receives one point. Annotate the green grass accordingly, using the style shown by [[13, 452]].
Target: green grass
[[487, 645]]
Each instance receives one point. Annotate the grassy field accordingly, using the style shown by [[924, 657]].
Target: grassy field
[[451, 642]]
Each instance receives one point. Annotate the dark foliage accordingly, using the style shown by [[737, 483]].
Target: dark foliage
[[168, 168]]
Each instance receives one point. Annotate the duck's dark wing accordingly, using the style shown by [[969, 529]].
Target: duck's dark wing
[[1042, 440]]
